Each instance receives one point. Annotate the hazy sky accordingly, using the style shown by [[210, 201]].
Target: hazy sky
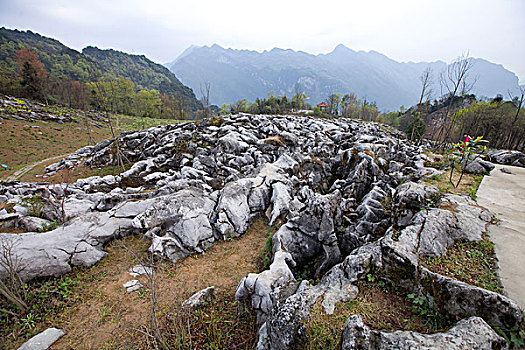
[[405, 30]]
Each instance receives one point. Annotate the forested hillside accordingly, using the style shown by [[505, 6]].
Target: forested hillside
[[59, 60], [144, 73], [44, 69]]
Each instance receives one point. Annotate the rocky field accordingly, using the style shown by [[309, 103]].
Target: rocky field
[[347, 192]]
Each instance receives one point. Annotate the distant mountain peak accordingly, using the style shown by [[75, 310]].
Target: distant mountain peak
[[342, 48], [217, 47]]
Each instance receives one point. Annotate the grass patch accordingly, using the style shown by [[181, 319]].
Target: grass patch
[[469, 184], [469, 261], [217, 325], [380, 305], [266, 255], [23, 147]]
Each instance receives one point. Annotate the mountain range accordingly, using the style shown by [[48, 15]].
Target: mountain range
[[237, 74]]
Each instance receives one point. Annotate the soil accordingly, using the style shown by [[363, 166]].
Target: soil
[[105, 315]]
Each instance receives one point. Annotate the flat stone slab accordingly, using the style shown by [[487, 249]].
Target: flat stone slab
[[140, 269], [132, 286], [44, 340], [504, 195]]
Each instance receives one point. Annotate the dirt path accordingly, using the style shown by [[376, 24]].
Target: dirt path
[[22, 171], [504, 195]]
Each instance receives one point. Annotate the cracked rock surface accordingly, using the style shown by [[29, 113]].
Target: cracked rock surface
[[347, 192]]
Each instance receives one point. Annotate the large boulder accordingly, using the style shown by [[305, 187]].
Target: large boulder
[[53, 253], [409, 198], [478, 166], [179, 224]]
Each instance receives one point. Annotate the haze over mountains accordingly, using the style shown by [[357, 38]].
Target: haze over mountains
[[237, 74]]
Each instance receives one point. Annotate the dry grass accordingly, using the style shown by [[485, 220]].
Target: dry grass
[[474, 263], [380, 307], [24, 143], [99, 314]]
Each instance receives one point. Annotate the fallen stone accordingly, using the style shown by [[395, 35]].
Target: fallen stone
[[200, 298], [44, 340], [139, 270], [132, 286]]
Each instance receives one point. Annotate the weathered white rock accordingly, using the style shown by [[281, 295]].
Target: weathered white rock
[[409, 198], [179, 223], [32, 223], [55, 252], [471, 333], [44, 340], [139, 270], [200, 298], [132, 286]]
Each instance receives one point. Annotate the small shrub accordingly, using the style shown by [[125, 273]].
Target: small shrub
[[48, 227], [421, 306], [266, 254], [34, 204]]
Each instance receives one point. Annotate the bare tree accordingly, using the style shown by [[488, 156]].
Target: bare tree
[[11, 285], [455, 80], [333, 101], [426, 84], [513, 131], [205, 98]]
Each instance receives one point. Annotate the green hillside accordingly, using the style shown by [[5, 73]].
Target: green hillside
[[62, 66], [140, 70], [59, 60]]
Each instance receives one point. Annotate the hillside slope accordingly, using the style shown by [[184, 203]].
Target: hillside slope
[[64, 63]]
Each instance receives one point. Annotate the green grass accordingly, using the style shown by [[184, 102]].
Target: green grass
[[379, 303], [469, 184], [471, 262]]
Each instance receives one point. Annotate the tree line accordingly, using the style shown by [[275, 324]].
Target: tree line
[[272, 104], [338, 105], [458, 112]]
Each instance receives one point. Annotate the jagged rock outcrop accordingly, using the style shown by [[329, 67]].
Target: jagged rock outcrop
[[505, 157], [347, 192], [396, 257], [471, 333]]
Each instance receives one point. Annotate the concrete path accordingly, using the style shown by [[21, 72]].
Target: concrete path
[[504, 195]]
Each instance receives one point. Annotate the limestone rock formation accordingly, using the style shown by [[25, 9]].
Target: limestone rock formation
[[470, 333], [43, 340], [504, 157], [347, 194]]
